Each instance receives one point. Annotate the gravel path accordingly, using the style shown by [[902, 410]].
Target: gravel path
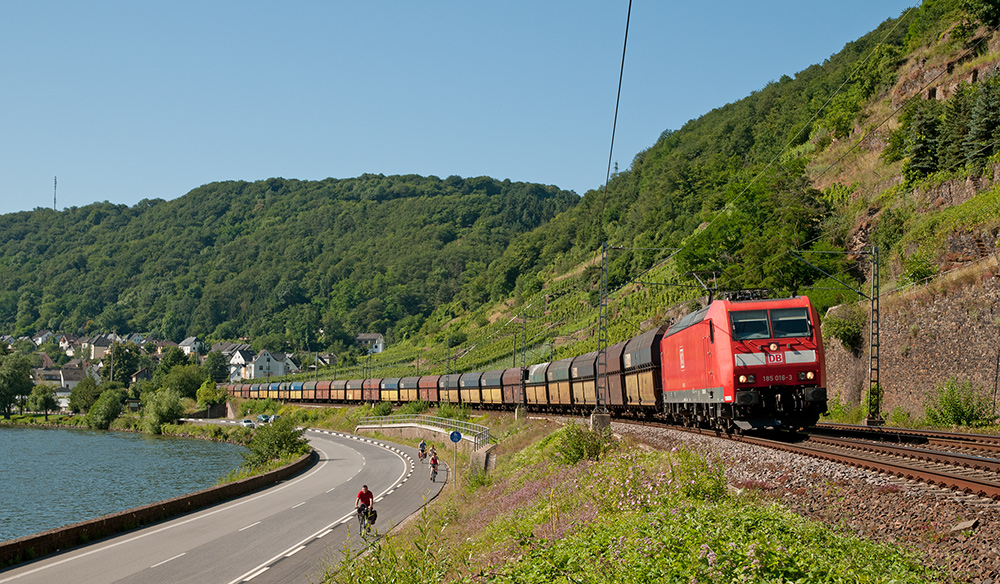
[[957, 533]]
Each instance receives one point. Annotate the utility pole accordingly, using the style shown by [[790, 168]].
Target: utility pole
[[874, 387], [55, 185], [874, 417], [601, 418]]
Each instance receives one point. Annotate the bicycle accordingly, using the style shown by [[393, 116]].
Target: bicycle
[[434, 472], [365, 520]]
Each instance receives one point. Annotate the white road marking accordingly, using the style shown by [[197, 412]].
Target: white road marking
[[249, 526], [165, 561], [252, 576]]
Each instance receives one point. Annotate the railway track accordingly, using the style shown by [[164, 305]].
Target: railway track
[[967, 463]]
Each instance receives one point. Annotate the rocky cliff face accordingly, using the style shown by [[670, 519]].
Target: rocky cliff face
[[949, 328]]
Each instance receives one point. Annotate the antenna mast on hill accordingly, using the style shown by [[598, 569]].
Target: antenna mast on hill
[[55, 185]]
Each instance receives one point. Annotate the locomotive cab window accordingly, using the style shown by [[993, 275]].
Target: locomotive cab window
[[790, 322], [749, 324]]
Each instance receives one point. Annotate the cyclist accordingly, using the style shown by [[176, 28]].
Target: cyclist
[[434, 465], [423, 449], [364, 503]]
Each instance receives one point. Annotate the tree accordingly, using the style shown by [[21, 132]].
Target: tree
[[15, 381], [274, 441], [83, 395], [107, 408], [923, 140], [171, 357], [121, 362], [210, 394], [216, 367], [984, 123], [985, 11], [43, 399], [955, 127], [160, 407], [186, 379]]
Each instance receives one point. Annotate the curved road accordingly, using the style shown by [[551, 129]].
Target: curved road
[[286, 533]]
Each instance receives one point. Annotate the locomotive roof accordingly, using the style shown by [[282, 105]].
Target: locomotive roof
[[687, 321], [699, 315]]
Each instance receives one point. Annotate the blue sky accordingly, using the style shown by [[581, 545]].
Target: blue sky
[[125, 101]]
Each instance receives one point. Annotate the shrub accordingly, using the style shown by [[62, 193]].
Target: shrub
[[160, 407], [959, 404], [452, 411], [417, 407], [382, 409], [275, 441], [252, 407], [577, 443], [106, 409], [847, 327]]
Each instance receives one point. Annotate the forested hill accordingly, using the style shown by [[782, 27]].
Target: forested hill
[[277, 260]]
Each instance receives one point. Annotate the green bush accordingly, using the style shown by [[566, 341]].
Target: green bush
[[252, 407], [959, 404], [576, 443], [107, 407], [847, 326], [412, 408], [452, 411], [382, 409], [274, 441], [160, 407]]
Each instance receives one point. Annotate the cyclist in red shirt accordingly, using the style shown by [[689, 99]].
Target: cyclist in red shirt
[[365, 504], [365, 497]]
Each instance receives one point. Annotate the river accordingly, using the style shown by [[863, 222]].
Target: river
[[54, 477]]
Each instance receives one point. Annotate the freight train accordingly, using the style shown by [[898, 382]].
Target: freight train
[[733, 366]]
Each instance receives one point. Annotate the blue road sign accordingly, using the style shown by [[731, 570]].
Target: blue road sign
[[456, 436]]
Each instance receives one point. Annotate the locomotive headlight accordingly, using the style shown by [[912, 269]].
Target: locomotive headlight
[[773, 346], [746, 379], [804, 375]]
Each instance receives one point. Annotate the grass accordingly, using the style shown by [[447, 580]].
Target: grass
[[633, 515]]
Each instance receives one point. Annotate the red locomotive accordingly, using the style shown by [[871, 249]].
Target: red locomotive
[[734, 366], [745, 365]]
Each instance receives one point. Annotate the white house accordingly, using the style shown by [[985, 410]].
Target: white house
[[264, 365], [375, 342], [267, 364], [238, 364], [192, 345]]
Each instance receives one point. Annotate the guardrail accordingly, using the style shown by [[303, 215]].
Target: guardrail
[[480, 434]]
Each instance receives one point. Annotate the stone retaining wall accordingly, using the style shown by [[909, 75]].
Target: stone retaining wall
[[53, 540], [928, 335]]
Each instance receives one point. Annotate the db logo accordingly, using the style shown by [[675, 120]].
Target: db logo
[[775, 358]]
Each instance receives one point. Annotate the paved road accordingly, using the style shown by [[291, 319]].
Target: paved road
[[286, 533]]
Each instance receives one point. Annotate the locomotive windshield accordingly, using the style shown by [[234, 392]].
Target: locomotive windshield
[[750, 324], [790, 322], [769, 324]]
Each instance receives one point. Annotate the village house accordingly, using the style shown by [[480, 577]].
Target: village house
[[267, 364], [192, 345], [374, 342]]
